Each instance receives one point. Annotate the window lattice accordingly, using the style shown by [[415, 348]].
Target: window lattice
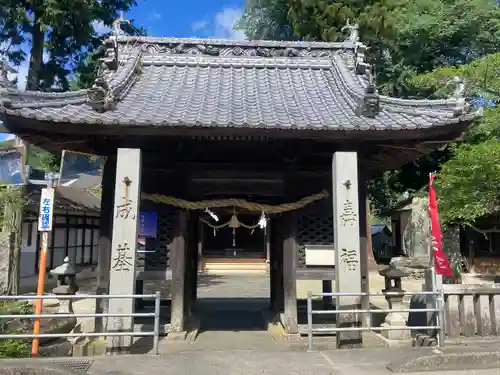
[[314, 228], [159, 260]]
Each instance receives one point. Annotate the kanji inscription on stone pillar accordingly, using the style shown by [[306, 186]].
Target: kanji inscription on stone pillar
[[346, 240], [123, 247]]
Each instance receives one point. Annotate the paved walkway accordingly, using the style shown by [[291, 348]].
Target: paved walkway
[[264, 362], [230, 308]]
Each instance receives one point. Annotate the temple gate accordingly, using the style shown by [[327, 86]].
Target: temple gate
[[184, 122]]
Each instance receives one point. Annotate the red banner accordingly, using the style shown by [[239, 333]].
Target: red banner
[[441, 263]]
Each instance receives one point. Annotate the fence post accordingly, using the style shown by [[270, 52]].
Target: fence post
[[156, 336], [309, 322], [441, 315]]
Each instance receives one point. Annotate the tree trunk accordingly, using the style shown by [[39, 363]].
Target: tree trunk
[[36, 53], [15, 251], [10, 246], [5, 257]]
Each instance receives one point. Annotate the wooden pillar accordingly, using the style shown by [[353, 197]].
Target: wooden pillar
[[327, 288], [105, 232], [177, 263], [196, 259], [124, 246], [364, 243], [267, 245], [347, 243], [191, 264], [276, 265], [201, 266], [273, 265], [290, 248]]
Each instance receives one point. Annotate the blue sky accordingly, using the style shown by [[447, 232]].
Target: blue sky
[[168, 18], [189, 18]]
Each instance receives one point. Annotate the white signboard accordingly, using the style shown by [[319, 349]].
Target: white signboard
[[46, 210], [319, 255]]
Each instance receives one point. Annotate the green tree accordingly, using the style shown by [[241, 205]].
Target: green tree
[[266, 19], [60, 32], [407, 39], [469, 182]]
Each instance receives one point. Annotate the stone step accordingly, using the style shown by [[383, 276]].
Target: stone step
[[235, 266]]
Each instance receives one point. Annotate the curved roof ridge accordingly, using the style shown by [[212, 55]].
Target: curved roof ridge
[[236, 43], [15, 98], [236, 61]]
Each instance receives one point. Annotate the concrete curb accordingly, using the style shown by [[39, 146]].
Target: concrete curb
[[447, 361]]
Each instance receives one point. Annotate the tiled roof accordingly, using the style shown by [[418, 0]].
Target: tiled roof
[[210, 83], [66, 198]]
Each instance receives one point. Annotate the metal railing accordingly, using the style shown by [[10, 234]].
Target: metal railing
[[436, 325], [156, 315]]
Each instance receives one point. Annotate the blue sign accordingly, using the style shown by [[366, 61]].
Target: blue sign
[[148, 224], [46, 210]]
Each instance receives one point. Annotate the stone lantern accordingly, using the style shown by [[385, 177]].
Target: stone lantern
[[393, 276], [66, 285]]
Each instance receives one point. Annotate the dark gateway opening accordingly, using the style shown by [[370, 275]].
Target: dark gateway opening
[[227, 242]]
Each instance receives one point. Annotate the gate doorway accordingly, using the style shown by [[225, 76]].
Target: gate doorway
[[235, 243], [232, 308]]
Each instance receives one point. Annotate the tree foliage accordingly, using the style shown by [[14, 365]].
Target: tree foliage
[[415, 45], [469, 182], [60, 34], [266, 19]]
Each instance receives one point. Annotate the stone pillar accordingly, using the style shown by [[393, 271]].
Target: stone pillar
[[290, 249], [124, 245], [178, 265], [347, 243], [105, 232]]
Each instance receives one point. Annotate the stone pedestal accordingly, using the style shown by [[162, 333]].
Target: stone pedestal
[[395, 319], [394, 298]]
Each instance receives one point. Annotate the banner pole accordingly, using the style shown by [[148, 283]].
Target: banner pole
[[42, 265]]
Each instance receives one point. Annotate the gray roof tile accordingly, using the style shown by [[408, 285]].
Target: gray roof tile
[[287, 85]]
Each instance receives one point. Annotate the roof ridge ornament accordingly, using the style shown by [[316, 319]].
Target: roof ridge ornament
[[353, 31], [461, 105], [370, 105], [100, 95], [117, 25], [360, 65], [5, 69]]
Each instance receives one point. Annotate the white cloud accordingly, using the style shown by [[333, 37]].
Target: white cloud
[[199, 26], [224, 24], [221, 25], [154, 16], [100, 28]]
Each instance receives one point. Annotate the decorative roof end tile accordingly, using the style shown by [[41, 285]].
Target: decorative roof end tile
[[461, 106], [370, 105], [5, 82], [100, 96], [117, 25], [360, 65], [353, 32]]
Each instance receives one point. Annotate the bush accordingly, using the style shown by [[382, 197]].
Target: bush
[[13, 348]]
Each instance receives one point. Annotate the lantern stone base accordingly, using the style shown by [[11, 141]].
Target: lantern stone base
[[395, 320]]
